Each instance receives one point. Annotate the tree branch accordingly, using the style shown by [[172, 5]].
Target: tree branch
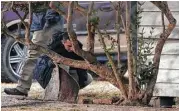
[[117, 5], [17, 13], [86, 55], [118, 20], [91, 30], [114, 69], [60, 12], [163, 22], [5, 6], [27, 25], [25, 15], [129, 54], [19, 29], [66, 3], [81, 9], [5, 30], [30, 14], [9, 34], [123, 23]]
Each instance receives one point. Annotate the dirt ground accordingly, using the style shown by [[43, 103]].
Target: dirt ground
[[35, 102]]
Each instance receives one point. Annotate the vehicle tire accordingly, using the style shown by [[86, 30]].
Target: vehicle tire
[[13, 57]]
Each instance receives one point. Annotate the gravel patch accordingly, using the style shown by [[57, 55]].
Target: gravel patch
[[95, 88], [36, 93], [35, 102]]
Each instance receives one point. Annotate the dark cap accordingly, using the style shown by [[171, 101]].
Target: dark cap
[[64, 36]]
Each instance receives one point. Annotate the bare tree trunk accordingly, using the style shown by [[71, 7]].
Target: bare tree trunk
[[81, 9], [85, 54], [129, 54], [118, 16], [163, 6], [114, 69], [91, 30], [27, 26], [60, 12], [163, 22]]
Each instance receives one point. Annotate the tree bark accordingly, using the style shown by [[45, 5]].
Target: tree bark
[[163, 6], [85, 54], [129, 54], [60, 12], [27, 25], [91, 31], [114, 69], [118, 21]]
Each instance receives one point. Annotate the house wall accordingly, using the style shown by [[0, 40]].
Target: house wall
[[168, 77]]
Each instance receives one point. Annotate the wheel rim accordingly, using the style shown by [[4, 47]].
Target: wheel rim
[[17, 57]]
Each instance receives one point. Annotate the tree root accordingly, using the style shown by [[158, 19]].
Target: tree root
[[117, 102], [123, 102]]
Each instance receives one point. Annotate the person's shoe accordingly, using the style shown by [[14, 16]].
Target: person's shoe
[[14, 91]]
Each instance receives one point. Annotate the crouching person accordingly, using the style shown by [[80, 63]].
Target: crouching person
[[82, 77], [71, 79]]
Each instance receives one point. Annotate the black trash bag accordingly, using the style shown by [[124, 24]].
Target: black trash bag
[[43, 70]]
